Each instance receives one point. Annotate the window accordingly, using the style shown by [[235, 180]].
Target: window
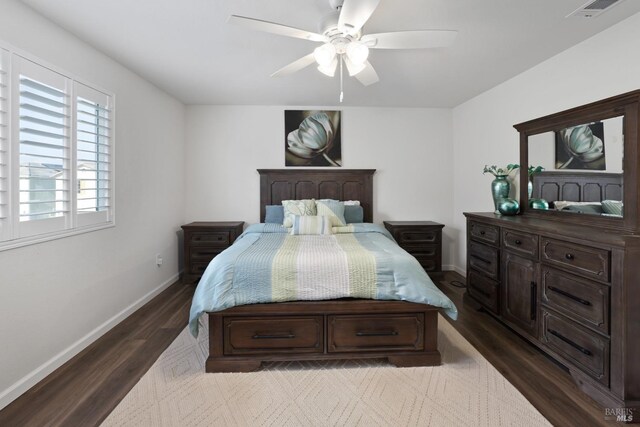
[[56, 148]]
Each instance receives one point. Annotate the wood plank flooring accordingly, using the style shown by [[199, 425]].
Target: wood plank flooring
[[87, 388]]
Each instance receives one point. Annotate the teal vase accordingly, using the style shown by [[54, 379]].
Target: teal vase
[[499, 190], [538, 204], [530, 188], [508, 207]]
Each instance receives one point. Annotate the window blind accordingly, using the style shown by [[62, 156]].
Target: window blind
[[93, 153], [43, 150], [4, 137]]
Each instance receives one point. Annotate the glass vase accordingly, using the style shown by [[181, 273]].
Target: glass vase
[[499, 190]]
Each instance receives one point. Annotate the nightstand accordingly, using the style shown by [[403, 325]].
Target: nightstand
[[203, 241], [422, 239]]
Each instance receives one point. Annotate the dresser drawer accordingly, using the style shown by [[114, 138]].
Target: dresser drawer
[[484, 232], [524, 244], [273, 335], [407, 237], [584, 260], [580, 299], [577, 345], [210, 238], [483, 290], [484, 258], [354, 333]]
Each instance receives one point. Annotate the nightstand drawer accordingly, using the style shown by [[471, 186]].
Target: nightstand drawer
[[273, 335], [583, 260], [210, 238], [408, 237], [198, 267], [203, 253], [376, 333]]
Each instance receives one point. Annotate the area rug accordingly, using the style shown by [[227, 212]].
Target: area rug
[[465, 390]]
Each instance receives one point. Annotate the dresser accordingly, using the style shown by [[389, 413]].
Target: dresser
[[422, 239], [565, 289], [203, 241]]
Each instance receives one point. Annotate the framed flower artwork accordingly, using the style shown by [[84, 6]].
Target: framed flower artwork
[[312, 138], [581, 147]]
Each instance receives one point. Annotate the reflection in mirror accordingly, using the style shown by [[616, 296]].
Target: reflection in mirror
[[582, 169]]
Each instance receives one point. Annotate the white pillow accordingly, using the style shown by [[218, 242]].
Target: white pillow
[[291, 208], [309, 224]]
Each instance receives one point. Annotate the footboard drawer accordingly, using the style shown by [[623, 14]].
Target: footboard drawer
[[354, 333], [256, 335]]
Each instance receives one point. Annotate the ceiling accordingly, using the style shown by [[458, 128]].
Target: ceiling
[[186, 47]]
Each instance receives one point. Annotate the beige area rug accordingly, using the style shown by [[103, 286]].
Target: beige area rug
[[464, 391]]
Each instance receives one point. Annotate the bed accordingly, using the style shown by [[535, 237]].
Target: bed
[[577, 186], [241, 337]]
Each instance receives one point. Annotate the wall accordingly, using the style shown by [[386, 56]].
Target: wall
[[483, 132], [57, 297], [410, 148]]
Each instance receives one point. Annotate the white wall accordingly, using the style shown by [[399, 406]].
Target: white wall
[[58, 296], [602, 66], [410, 148]]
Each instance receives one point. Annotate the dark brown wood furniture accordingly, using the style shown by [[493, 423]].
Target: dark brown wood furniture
[[577, 186], [422, 239], [203, 241], [241, 338], [570, 283]]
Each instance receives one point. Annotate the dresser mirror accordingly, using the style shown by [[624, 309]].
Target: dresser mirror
[[588, 158]]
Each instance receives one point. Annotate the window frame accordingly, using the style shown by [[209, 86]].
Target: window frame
[[73, 224]]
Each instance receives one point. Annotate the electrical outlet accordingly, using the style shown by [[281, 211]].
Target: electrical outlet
[[158, 260]]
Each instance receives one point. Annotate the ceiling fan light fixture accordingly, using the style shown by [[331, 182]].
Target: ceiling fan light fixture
[[357, 52], [329, 70], [353, 68], [325, 55]]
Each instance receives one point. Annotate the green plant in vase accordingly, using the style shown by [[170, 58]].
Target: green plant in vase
[[500, 186]]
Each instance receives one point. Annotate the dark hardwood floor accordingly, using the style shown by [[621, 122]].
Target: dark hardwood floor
[[85, 390]]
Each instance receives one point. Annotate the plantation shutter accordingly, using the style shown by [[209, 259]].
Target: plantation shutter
[[4, 143], [43, 149], [94, 184]]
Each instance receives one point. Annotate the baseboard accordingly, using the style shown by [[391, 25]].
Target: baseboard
[[41, 372], [455, 268]]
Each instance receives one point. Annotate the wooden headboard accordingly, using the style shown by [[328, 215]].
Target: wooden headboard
[[577, 186], [277, 185]]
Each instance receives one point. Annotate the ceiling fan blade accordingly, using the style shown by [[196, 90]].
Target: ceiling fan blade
[[419, 39], [271, 27], [297, 65], [368, 76], [355, 13]]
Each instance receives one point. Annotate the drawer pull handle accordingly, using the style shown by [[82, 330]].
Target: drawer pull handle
[[568, 295], [569, 256], [376, 334], [482, 232], [273, 337], [568, 341], [534, 300], [518, 242]]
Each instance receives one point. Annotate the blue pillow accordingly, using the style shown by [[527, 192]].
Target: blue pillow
[[274, 214], [353, 214]]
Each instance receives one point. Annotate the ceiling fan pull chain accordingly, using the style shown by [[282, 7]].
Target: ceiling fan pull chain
[[341, 92]]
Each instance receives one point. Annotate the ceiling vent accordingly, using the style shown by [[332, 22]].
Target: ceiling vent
[[594, 8]]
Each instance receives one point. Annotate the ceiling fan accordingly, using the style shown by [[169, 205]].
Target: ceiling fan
[[343, 41]]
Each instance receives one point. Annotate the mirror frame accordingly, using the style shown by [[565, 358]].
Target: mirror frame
[[626, 105]]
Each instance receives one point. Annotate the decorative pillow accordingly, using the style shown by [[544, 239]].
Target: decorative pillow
[[612, 207], [585, 209], [341, 230], [333, 209], [561, 204], [297, 207], [353, 214], [311, 225], [351, 202], [274, 214]]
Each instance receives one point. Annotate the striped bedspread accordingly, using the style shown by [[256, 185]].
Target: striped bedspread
[[267, 264]]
